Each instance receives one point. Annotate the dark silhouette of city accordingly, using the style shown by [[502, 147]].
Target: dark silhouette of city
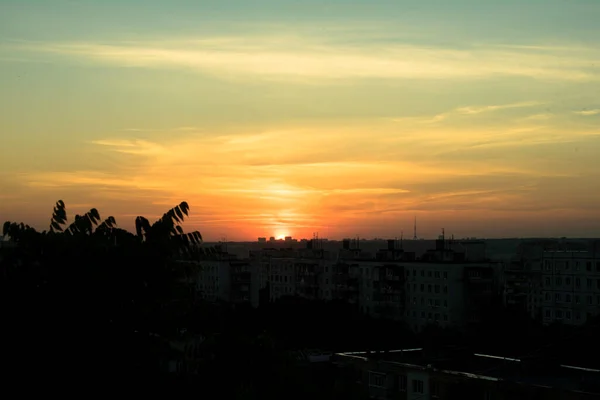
[[302, 319]]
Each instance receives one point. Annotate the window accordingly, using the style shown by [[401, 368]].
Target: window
[[446, 289], [568, 315], [589, 283], [429, 274], [437, 289], [557, 297], [558, 313], [548, 314], [577, 282], [414, 272], [577, 301], [422, 273], [590, 300], [445, 317], [437, 274], [446, 303], [559, 281], [547, 295], [568, 281], [417, 386], [446, 273], [376, 379], [422, 287], [422, 314], [597, 266], [429, 288], [435, 390], [577, 315], [588, 266], [402, 383], [568, 298]]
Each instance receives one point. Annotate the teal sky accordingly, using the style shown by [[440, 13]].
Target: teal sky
[[276, 117]]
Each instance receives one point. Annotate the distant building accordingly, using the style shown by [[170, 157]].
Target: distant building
[[441, 288], [571, 285]]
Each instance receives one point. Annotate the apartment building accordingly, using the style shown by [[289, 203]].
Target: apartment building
[[571, 285], [303, 272], [435, 294], [459, 374], [441, 287], [214, 281], [527, 283]]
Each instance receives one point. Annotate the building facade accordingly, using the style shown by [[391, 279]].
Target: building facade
[[571, 285]]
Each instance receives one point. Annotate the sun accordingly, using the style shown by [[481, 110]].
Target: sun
[[281, 235]]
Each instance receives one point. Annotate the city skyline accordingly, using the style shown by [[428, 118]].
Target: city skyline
[[285, 118]]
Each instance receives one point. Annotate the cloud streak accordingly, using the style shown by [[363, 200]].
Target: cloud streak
[[587, 113], [330, 60]]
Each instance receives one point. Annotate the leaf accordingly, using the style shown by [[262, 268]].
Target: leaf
[[184, 207], [179, 213], [94, 216], [142, 226], [6, 228], [179, 229], [172, 215], [55, 225]]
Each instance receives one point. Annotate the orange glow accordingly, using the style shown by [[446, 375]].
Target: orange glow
[[304, 133], [281, 235]]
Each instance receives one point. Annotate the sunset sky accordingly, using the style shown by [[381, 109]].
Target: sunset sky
[[346, 117]]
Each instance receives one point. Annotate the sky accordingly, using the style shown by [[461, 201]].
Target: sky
[[275, 117]]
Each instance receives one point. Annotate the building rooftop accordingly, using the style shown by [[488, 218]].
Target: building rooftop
[[534, 372]]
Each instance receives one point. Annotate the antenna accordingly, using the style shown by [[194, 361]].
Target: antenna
[[415, 229]]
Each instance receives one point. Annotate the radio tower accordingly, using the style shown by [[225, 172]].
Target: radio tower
[[415, 230]]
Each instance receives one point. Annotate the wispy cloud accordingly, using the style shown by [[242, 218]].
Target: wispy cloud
[[468, 111], [588, 112], [481, 109], [314, 59]]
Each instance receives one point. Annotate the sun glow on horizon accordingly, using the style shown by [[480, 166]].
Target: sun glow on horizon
[[281, 235]]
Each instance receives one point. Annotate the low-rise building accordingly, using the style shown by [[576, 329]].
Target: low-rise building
[[459, 374]]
